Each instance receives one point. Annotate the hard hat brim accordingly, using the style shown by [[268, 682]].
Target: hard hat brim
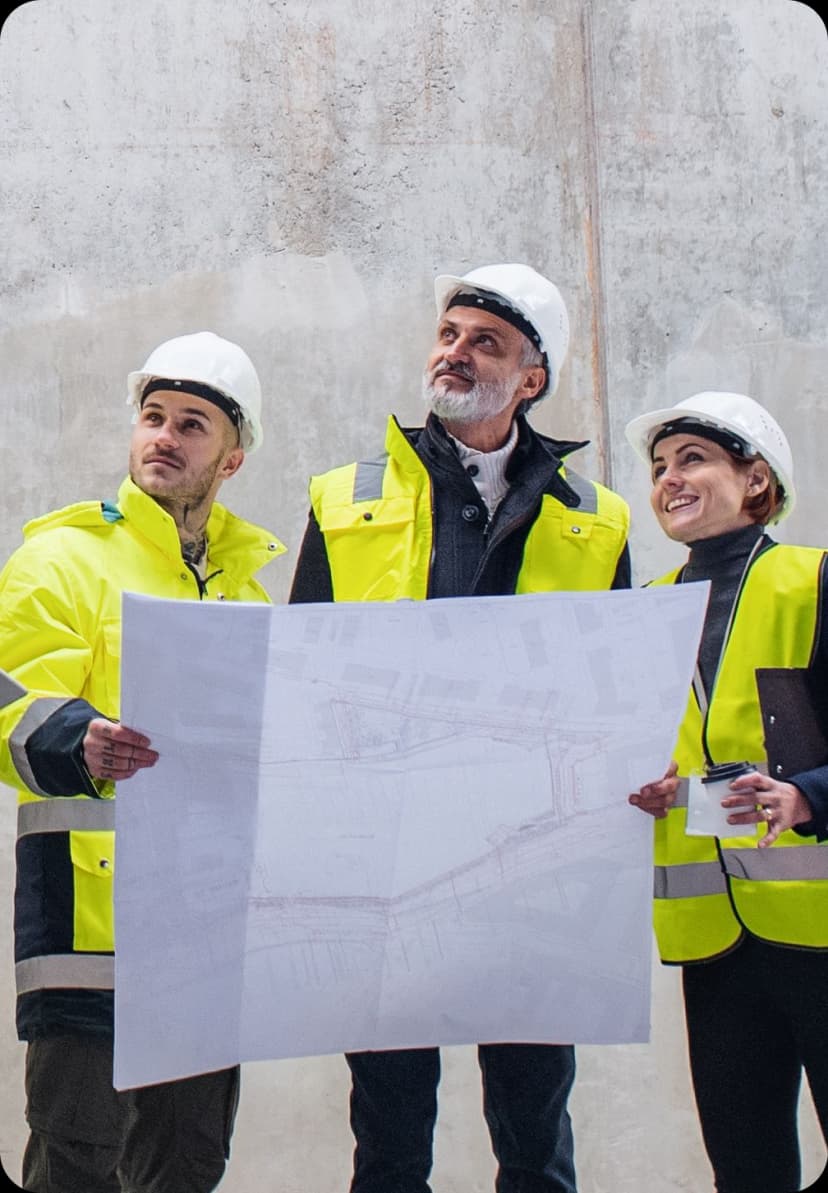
[[445, 287], [640, 430]]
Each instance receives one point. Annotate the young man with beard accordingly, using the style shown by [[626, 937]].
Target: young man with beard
[[198, 410], [474, 503]]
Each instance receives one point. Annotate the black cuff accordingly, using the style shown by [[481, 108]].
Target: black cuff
[[55, 751], [814, 786]]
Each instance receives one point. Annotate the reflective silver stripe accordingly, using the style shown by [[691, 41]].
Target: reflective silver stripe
[[684, 882], [10, 690], [64, 815], [32, 719], [76, 971], [778, 863], [586, 491], [368, 479]]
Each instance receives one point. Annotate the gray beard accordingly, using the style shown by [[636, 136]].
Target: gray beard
[[485, 399]]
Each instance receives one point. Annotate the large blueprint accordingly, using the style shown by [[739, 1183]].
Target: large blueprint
[[389, 825]]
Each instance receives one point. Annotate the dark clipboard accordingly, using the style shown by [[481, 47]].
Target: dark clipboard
[[795, 720]]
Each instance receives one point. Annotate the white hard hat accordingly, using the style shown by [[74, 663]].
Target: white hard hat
[[729, 413], [528, 294], [204, 358]]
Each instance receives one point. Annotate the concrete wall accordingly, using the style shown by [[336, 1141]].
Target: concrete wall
[[293, 176]]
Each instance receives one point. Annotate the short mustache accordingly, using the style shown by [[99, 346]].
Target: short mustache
[[460, 369], [161, 453]]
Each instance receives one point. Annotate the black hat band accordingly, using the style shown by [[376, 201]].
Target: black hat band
[[198, 390], [495, 306], [691, 426]]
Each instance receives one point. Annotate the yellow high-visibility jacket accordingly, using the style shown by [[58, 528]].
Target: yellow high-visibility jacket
[[708, 890], [377, 519], [60, 629]]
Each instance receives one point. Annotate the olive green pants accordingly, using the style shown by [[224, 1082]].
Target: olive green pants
[[87, 1137]]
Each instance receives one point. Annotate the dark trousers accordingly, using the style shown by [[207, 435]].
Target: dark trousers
[[86, 1137], [525, 1090], [755, 1019]]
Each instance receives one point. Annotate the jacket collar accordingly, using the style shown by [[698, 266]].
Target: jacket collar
[[236, 547], [535, 456]]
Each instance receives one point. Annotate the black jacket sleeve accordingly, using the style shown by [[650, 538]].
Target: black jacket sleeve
[[814, 786], [312, 581], [55, 750], [623, 570]]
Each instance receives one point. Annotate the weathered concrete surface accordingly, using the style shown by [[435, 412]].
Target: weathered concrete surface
[[293, 176]]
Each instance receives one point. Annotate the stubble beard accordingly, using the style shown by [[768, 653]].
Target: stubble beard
[[186, 493]]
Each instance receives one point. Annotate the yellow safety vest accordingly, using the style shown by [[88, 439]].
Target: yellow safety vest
[[707, 890], [376, 518]]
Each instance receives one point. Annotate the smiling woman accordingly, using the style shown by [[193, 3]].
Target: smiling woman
[[749, 925], [700, 489]]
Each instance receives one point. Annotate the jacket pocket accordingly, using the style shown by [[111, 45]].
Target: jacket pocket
[[93, 866], [384, 513]]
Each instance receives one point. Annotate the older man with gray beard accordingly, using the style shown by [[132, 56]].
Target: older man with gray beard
[[474, 503]]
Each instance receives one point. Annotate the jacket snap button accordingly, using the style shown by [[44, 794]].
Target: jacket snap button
[[103, 863], [271, 546], [368, 516], [184, 576], [471, 513], [576, 530]]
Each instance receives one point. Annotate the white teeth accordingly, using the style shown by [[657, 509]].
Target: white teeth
[[678, 503]]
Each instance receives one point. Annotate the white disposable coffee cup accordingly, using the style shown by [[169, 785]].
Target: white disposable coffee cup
[[705, 815]]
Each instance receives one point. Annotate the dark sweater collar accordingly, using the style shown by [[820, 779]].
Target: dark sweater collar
[[717, 553]]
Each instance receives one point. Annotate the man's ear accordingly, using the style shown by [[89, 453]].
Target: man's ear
[[534, 379], [233, 463]]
